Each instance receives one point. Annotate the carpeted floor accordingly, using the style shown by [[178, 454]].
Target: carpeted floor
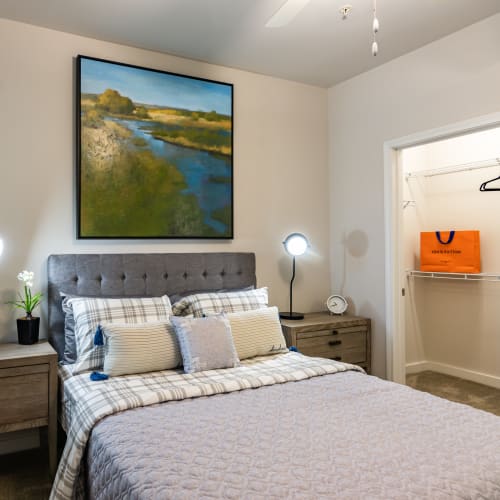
[[25, 475], [456, 389]]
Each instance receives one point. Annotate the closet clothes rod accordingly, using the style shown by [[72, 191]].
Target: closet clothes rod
[[493, 162], [453, 276]]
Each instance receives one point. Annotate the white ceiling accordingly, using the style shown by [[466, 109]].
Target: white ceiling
[[317, 47]]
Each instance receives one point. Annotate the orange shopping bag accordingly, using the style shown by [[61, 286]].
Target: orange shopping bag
[[450, 251]]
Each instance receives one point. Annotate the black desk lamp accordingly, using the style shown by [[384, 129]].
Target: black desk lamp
[[295, 244]]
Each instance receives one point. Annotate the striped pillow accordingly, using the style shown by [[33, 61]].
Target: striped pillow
[[257, 333], [205, 304], [90, 312], [139, 348]]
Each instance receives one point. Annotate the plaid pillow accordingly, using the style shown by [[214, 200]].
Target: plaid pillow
[[89, 312], [205, 304]]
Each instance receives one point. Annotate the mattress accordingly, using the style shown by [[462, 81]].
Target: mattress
[[342, 434]]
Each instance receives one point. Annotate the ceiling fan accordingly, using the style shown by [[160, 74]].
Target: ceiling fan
[[290, 8]]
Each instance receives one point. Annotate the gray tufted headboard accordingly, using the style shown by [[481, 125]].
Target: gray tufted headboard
[[140, 275]]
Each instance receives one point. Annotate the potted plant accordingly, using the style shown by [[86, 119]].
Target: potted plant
[[28, 327]]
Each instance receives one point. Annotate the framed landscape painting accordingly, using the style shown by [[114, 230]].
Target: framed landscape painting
[[154, 153]]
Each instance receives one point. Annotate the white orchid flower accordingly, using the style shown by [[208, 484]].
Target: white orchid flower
[[28, 301], [26, 277]]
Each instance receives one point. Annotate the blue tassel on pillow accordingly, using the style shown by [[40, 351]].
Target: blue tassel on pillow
[[98, 337], [292, 348], [95, 376]]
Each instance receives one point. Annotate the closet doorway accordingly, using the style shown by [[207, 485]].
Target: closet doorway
[[432, 181]]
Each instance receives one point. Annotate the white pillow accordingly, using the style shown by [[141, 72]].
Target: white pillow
[[257, 332], [204, 304], [139, 348], [90, 312]]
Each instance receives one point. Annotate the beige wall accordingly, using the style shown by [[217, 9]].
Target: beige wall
[[450, 80], [280, 166], [454, 323]]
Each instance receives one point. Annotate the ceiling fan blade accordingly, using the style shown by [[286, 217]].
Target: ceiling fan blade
[[286, 13]]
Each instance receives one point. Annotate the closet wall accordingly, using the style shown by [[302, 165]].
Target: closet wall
[[453, 326]]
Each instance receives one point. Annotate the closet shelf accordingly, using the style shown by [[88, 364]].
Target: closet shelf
[[493, 162], [453, 276]]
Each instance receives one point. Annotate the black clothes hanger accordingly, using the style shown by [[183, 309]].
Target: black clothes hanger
[[484, 188]]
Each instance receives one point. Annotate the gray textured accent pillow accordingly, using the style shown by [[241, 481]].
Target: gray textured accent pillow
[[205, 343]]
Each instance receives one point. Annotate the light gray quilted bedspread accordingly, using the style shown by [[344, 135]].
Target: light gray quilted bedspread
[[345, 435]]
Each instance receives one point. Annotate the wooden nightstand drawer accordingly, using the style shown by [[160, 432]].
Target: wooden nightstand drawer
[[333, 332], [24, 394], [341, 340], [355, 356]]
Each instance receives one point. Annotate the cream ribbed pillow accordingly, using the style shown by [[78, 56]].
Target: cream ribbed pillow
[[257, 332], [139, 348]]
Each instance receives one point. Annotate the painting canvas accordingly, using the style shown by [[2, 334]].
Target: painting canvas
[[155, 153]]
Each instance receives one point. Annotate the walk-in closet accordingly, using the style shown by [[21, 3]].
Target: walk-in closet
[[452, 322]]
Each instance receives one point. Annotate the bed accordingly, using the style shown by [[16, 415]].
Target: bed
[[278, 426]]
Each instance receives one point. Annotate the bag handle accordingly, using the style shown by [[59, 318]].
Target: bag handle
[[450, 238]]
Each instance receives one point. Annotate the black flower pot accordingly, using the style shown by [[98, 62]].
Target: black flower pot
[[27, 330]]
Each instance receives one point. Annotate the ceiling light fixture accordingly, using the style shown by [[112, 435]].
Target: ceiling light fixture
[[344, 11]]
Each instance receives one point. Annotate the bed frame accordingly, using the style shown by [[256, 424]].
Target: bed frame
[[140, 275]]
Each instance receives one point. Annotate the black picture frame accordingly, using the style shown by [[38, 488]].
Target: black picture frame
[[154, 153]]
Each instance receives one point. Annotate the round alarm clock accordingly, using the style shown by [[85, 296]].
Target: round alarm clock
[[336, 304]]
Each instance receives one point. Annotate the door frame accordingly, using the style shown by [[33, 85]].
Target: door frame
[[393, 221]]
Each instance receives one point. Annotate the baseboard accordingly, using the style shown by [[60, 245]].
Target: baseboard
[[417, 367], [11, 442], [455, 371]]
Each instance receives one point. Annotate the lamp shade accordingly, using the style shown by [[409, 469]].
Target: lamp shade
[[296, 244]]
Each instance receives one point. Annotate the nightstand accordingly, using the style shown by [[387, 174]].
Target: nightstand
[[343, 338], [28, 391]]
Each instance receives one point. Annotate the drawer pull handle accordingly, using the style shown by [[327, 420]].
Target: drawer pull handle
[[335, 342], [335, 332], [337, 358]]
